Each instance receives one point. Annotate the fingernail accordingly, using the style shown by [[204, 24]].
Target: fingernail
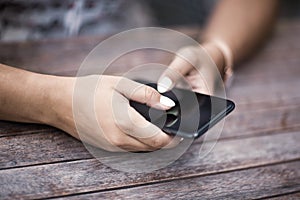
[[164, 84], [181, 139], [166, 101]]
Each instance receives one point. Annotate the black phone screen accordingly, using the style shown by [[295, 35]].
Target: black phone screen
[[193, 114]]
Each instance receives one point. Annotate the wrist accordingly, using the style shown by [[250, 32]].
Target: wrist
[[226, 69], [40, 89], [61, 101], [54, 99]]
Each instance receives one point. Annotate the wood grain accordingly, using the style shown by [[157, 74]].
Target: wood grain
[[245, 184], [40, 148], [64, 56], [293, 196], [267, 120], [14, 128], [256, 157], [60, 56], [90, 175], [280, 114], [21, 150]]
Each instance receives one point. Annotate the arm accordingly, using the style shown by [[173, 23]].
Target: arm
[[36, 98], [242, 25], [239, 24], [26, 96]]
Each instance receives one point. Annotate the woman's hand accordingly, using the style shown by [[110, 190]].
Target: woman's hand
[[200, 69], [114, 125]]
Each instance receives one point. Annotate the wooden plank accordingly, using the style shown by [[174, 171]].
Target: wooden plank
[[49, 55], [291, 119], [250, 96], [21, 150], [293, 196], [279, 114], [259, 70], [63, 59], [41, 148], [266, 82], [64, 56], [14, 128], [258, 121], [245, 184], [285, 33], [90, 175], [266, 105], [242, 91], [268, 92], [59, 56], [245, 90], [289, 24], [55, 54], [283, 39]]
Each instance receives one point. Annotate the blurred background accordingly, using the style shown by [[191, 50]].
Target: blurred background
[[22, 20]]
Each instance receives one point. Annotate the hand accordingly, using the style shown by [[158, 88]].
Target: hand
[[122, 127], [199, 71]]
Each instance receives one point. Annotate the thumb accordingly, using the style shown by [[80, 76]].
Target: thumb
[[144, 94], [184, 61]]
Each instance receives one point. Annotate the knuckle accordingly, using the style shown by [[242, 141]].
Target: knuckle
[[157, 142], [189, 53], [119, 144]]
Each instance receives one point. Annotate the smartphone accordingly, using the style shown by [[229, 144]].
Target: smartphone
[[193, 114]]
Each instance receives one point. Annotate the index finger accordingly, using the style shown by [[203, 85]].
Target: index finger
[[183, 62]]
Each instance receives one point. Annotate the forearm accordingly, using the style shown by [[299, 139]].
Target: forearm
[[241, 24], [27, 96]]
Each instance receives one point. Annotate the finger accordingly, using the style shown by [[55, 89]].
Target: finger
[[135, 125], [136, 145], [202, 82], [124, 142], [146, 132], [174, 143], [123, 124], [144, 94], [184, 61]]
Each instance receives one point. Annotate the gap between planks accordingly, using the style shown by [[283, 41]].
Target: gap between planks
[[184, 178], [243, 163]]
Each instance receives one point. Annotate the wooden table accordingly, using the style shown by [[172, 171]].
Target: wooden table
[[257, 155]]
